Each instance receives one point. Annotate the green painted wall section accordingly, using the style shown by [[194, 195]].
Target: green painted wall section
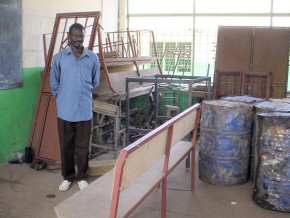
[[17, 110]]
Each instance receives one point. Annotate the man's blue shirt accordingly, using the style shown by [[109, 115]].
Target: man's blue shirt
[[72, 81]]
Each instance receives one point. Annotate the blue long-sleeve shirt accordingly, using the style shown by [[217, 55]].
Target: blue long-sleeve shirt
[[72, 81]]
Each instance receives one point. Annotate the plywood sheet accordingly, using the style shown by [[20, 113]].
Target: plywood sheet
[[39, 121], [49, 148], [183, 127], [270, 54], [233, 49], [144, 158]]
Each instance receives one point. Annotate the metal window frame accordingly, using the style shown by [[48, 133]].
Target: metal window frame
[[271, 15]]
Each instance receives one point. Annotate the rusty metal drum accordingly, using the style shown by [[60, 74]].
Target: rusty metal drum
[[244, 99], [272, 181], [225, 135], [264, 107]]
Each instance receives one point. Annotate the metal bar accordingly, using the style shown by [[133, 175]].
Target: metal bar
[[117, 183], [153, 80], [102, 146], [131, 31], [208, 69], [94, 32], [210, 15], [193, 39], [86, 23], [79, 14], [123, 48], [155, 50], [187, 162], [165, 169], [63, 33], [193, 140], [175, 66], [109, 41], [52, 45], [209, 88], [44, 48], [116, 135], [139, 43], [134, 43], [181, 76], [127, 111], [156, 100], [137, 68], [130, 44], [189, 93]]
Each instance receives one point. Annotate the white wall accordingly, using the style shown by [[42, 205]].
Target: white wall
[[110, 13], [39, 15]]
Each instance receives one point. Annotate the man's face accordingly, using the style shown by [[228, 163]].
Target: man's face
[[76, 38]]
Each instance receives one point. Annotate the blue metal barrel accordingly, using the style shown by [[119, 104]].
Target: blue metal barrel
[[244, 99], [251, 101], [275, 105], [225, 142], [272, 182]]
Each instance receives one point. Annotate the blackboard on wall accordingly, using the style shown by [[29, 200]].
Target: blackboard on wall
[[10, 44]]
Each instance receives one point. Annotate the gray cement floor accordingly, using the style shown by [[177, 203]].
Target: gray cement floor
[[24, 194]]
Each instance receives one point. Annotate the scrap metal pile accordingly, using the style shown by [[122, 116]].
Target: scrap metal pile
[[122, 55]]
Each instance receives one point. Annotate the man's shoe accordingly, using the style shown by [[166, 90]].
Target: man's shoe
[[64, 186], [83, 184]]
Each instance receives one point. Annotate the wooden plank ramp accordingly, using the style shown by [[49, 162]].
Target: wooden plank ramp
[[95, 200]]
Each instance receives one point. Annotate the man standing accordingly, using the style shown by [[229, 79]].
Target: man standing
[[75, 72]]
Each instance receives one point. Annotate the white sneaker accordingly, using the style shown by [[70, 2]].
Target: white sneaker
[[64, 186], [83, 184]]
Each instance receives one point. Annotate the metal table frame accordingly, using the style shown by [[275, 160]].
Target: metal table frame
[[158, 79]]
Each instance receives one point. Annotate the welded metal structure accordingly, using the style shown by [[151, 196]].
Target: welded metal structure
[[121, 55], [190, 82]]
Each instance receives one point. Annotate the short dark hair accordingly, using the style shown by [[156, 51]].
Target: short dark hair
[[76, 26]]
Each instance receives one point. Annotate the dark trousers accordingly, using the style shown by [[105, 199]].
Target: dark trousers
[[74, 140]]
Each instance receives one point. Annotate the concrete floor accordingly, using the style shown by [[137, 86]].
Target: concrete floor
[[24, 194]]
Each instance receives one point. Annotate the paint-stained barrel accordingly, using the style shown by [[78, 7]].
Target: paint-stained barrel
[[275, 105], [244, 99], [272, 182], [225, 134]]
